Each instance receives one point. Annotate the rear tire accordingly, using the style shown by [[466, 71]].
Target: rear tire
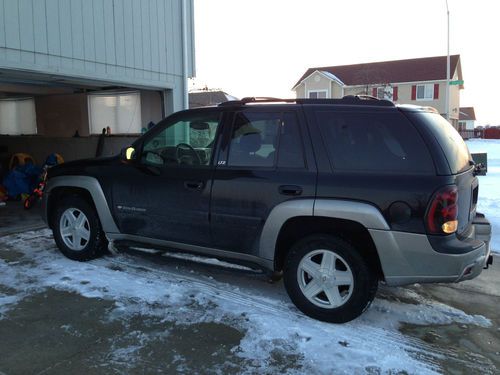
[[328, 279], [77, 229]]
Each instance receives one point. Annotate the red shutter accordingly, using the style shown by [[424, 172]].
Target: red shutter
[[374, 92], [414, 92], [436, 91], [394, 94]]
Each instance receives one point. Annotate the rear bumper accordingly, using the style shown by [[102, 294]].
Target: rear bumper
[[408, 258]]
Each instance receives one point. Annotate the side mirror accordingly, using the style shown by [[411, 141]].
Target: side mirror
[[128, 153]]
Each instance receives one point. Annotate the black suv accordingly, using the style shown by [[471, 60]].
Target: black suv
[[336, 194]]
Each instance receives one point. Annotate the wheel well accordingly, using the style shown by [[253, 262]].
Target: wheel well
[[59, 193], [299, 227]]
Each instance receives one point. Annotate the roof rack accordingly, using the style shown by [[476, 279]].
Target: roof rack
[[346, 100]]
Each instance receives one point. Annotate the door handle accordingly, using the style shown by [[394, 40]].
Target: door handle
[[290, 190], [194, 185]]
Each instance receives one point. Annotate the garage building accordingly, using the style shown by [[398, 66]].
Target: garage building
[[70, 68]]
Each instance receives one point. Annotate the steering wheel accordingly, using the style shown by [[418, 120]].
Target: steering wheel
[[188, 149]]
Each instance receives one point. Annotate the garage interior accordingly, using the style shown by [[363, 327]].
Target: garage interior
[[42, 114]]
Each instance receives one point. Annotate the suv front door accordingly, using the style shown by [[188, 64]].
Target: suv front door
[[265, 159], [164, 193]]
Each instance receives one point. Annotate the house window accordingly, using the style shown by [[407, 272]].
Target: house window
[[17, 116], [425, 92], [381, 92], [317, 94], [120, 111]]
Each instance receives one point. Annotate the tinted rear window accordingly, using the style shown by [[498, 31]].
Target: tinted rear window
[[378, 142], [449, 139]]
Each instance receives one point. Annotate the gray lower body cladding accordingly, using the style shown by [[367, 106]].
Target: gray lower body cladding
[[408, 258]]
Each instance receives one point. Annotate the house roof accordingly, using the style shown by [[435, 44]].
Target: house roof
[[411, 70], [467, 113], [205, 98]]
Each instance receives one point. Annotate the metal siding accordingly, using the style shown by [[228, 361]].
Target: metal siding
[[53, 32], [119, 23], [162, 38], [65, 31], [26, 25], [137, 30], [177, 35], [146, 35], [77, 29], [100, 44], [40, 26], [11, 19], [129, 33], [169, 32], [155, 53], [88, 31], [109, 32]]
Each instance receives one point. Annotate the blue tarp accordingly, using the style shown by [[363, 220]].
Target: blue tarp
[[23, 179]]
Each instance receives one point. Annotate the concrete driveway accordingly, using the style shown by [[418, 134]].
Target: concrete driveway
[[151, 313]]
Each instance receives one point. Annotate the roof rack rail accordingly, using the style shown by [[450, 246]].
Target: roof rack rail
[[348, 99], [256, 99]]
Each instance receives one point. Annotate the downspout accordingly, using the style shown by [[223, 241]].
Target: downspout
[[184, 55]]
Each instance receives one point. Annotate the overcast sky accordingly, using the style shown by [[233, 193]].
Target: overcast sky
[[262, 47]]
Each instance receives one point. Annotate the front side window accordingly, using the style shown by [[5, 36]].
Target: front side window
[[188, 141], [425, 92]]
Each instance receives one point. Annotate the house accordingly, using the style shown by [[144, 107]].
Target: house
[[467, 118], [207, 97], [420, 81]]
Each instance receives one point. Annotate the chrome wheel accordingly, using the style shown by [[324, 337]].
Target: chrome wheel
[[325, 279], [75, 229]]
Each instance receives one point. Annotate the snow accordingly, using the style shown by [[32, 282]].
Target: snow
[[489, 186], [191, 294]]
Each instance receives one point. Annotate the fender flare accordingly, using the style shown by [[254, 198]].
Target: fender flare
[[94, 188], [363, 213]]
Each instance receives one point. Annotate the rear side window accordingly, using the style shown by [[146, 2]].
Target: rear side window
[[265, 139], [377, 142], [449, 139]]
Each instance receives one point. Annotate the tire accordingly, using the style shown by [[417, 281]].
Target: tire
[[328, 279], [78, 237]]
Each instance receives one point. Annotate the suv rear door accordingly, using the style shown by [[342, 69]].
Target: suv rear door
[[265, 159]]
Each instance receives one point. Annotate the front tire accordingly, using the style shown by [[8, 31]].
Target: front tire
[[77, 230], [328, 279]]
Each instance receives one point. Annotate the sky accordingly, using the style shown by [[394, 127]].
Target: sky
[[262, 47]]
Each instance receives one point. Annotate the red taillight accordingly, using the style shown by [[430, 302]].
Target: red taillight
[[443, 211]]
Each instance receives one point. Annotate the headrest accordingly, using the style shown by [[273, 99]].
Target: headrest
[[250, 142]]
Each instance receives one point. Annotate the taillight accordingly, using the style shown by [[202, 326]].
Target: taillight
[[443, 211]]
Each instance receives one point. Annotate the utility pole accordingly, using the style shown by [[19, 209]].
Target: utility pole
[[447, 92]]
